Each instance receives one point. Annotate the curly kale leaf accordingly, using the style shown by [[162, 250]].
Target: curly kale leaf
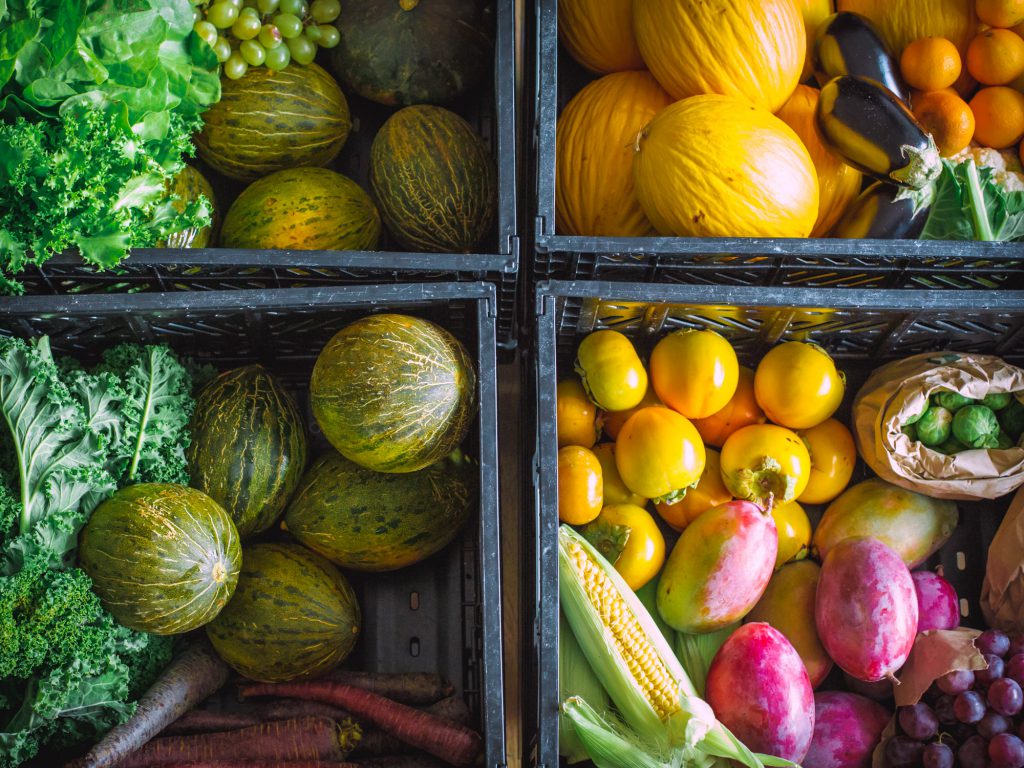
[[154, 414]]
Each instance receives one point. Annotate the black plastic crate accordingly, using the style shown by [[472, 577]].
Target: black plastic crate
[[818, 263], [861, 329], [490, 110], [442, 615]]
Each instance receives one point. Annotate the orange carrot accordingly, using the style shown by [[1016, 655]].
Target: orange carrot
[[449, 741], [303, 739]]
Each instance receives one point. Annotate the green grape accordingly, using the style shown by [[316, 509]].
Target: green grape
[[312, 33], [222, 15], [246, 27], [325, 11], [236, 3], [294, 7], [278, 58], [223, 49], [329, 36], [270, 36], [249, 4], [197, 15], [303, 10], [303, 51], [206, 32], [235, 67], [251, 12], [290, 26], [253, 53], [267, 7]]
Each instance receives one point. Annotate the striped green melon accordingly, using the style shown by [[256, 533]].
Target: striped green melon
[[266, 121], [433, 179], [309, 209], [189, 184], [294, 615], [248, 446], [400, 52], [393, 393], [163, 558], [374, 521]]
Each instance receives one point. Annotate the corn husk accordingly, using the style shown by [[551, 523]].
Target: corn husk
[[696, 652], [1002, 593], [610, 745], [691, 727], [575, 679]]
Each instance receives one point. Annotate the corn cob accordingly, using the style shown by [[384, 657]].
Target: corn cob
[[633, 661]]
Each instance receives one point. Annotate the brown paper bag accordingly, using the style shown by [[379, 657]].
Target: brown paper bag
[[900, 390], [1002, 593]]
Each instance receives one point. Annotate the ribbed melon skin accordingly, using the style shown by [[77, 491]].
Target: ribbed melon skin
[[433, 179], [393, 393], [163, 558], [188, 185], [267, 121], [374, 521], [309, 209], [294, 615], [412, 52], [248, 446]]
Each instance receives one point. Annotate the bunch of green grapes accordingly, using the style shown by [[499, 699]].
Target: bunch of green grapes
[[269, 33]]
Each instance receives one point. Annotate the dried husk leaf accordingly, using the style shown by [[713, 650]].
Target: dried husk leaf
[[1002, 593]]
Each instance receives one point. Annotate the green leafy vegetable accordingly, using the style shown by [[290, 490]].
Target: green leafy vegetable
[[996, 400], [934, 427], [976, 426], [951, 401], [1011, 419], [970, 204], [98, 101], [68, 437]]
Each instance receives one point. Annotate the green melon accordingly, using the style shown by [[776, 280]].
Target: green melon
[[163, 558], [267, 121], [248, 446], [434, 180], [393, 393], [189, 184], [309, 209], [294, 615], [400, 52], [373, 521]]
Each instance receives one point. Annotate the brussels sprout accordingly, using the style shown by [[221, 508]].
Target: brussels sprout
[[914, 419], [996, 401], [951, 401], [934, 427], [976, 426], [951, 447], [1005, 441], [910, 431], [1011, 419]]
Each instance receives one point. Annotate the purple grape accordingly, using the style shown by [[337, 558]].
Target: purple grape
[[957, 681], [985, 677], [993, 641], [937, 755], [1016, 645], [1015, 668], [903, 752], [1006, 697], [973, 753], [992, 724], [919, 721], [969, 707], [944, 710], [1006, 751]]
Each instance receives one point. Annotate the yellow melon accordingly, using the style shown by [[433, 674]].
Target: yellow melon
[[599, 34]]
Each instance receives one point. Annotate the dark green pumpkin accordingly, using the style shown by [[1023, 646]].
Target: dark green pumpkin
[[400, 52], [373, 521], [393, 393], [434, 180], [248, 446], [189, 184], [294, 615], [163, 558], [267, 121]]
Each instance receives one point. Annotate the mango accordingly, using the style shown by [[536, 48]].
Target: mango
[[915, 526], [788, 605], [718, 568], [938, 607], [866, 608], [758, 688], [847, 728]]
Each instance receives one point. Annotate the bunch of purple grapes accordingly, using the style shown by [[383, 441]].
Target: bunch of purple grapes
[[968, 719]]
